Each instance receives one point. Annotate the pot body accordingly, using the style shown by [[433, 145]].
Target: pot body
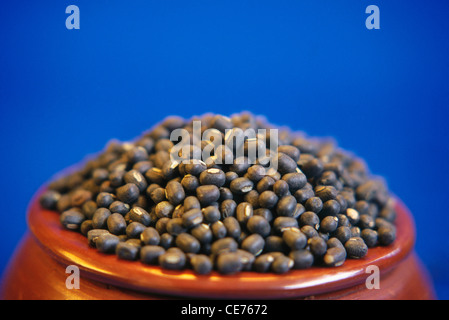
[[34, 274], [38, 270]]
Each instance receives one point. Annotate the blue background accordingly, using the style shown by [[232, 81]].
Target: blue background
[[311, 65]]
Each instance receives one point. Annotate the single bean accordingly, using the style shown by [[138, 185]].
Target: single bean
[[127, 251], [149, 254], [134, 229], [335, 257], [150, 236], [72, 219], [302, 259], [356, 248], [107, 243]]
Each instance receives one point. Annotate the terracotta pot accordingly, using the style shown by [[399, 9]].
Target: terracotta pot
[[38, 271]]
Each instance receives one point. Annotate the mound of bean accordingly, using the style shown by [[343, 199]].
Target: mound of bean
[[320, 207]]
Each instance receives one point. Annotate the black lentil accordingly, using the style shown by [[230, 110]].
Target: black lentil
[[263, 263], [356, 247], [343, 220], [241, 185], [302, 195], [294, 238], [226, 194], [135, 177], [264, 212], [281, 188], [264, 184], [281, 264], [224, 245], [190, 183], [92, 236], [335, 257], [255, 173], [286, 164], [89, 208], [127, 251], [164, 209], [129, 193], [326, 193], [203, 233], [309, 218], [386, 235], [334, 242], [107, 243], [309, 231], [343, 234], [174, 192], [150, 254], [150, 236], [172, 260], [176, 226], [192, 218], [157, 194], [161, 225], [134, 229], [330, 208], [329, 224], [280, 224], [166, 240], [258, 225], [312, 168], [72, 219], [253, 244], [191, 202], [302, 259], [268, 199], [49, 199], [187, 243], [275, 244], [213, 176], [314, 204], [100, 218], [295, 181], [352, 215], [85, 227], [229, 263], [116, 224], [317, 246], [119, 207], [207, 194], [201, 264], [228, 208], [291, 151], [232, 226], [370, 237], [218, 230], [355, 232], [252, 198], [137, 214], [244, 212], [286, 206]]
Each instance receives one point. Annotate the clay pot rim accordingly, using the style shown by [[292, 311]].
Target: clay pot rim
[[71, 248]]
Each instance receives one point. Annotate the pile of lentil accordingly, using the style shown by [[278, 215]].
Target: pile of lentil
[[319, 208]]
